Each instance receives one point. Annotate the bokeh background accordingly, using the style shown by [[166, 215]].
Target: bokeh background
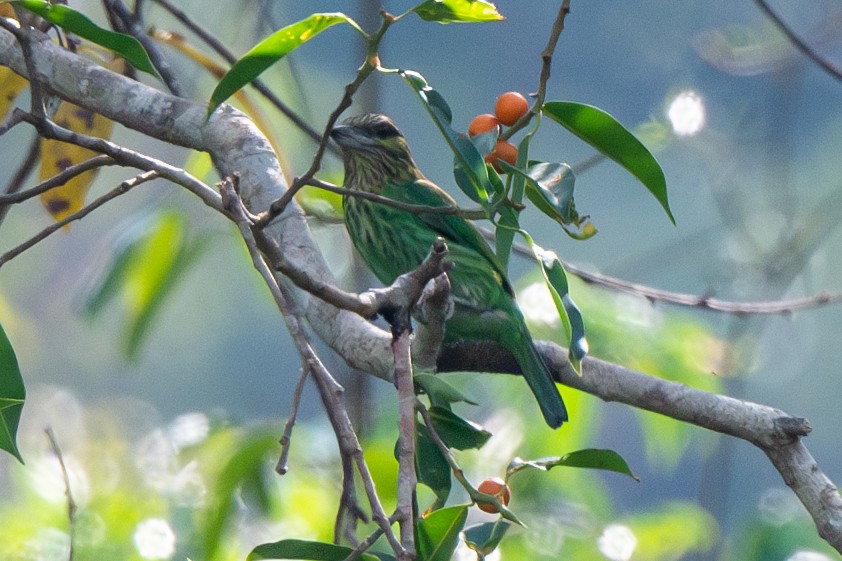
[[754, 189]]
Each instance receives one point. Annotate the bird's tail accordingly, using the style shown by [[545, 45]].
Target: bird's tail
[[540, 382]]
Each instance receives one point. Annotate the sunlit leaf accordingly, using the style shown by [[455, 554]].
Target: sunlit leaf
[[303, 549], [469, 168], [70, 20], [271, 50], [571, 317], [438, 533], [606, 134], [484, 538], [12, 395], [590, 458], [457, 432], [440, 391], [450, 11]]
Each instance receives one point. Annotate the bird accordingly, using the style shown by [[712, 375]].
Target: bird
[[393, 241]]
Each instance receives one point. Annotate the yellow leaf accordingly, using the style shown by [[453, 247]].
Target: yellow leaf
[[57, 156], [11, 85], [6, 11]]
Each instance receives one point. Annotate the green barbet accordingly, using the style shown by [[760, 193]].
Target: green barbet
[[393, 241]]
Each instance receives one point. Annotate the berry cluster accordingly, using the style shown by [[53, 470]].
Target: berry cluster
[[508, 108]]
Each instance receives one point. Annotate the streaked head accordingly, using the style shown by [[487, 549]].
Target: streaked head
[[374, 150]]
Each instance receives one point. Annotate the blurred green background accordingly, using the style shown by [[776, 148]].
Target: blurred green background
[[754, 193]]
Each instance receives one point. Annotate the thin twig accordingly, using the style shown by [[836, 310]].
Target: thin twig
[[229, 57], [329, 389], [828, 66], [370, 64], [281, 467], [57, 180], [71, 503], [704, 302], [406, 439], [36, 93], [121, 189], [546, 68], [33, 156], [159, 61], [470, 214]]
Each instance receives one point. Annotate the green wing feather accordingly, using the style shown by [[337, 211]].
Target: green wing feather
[[450, 227]]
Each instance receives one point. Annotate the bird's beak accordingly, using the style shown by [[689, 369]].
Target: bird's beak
[[349, 137]]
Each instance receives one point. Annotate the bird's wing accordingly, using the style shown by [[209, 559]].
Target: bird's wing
[[452, 228]]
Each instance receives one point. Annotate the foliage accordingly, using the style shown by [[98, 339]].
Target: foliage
[[214, 487]]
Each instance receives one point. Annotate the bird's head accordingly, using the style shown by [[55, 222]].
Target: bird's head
[[373, 148]]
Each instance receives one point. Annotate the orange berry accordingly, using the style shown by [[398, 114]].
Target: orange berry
[[510, 107], [498, 488], [482, 124], [505, 151]]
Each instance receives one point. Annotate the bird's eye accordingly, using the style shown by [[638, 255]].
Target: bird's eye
[[386, 130]]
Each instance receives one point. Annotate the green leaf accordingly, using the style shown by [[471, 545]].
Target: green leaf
[[12, 396], [303, 549], [440, 392], [271, 50], [148, 261], [591, 458], [484, 538], [70, 20], [431, 466], [450, 11], [469, 168], [571, 317], [240, 467], [457, 432], [438, 533], [606, 134]]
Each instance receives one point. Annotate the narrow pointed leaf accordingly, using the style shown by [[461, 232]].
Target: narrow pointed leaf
[[431, 467], [12, 395], [469, 167], [457, 432], [606, 134], [450, 11], [440, 391], [271, 50], [484, 538], [304, 549], [591, 458], [438, 533], [70, 20], [569, 313]]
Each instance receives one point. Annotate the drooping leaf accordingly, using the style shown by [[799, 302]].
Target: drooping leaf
[[450, 11], [56, 156], [11, 85], [304, 549], [271, 50], [431, 466], [70, 20], [484, 538], [147, 262], [606, 134], [441, 392], [571, 317], [469, 168], [437, 534], [457, 432], [12, 396], [590, 458]]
